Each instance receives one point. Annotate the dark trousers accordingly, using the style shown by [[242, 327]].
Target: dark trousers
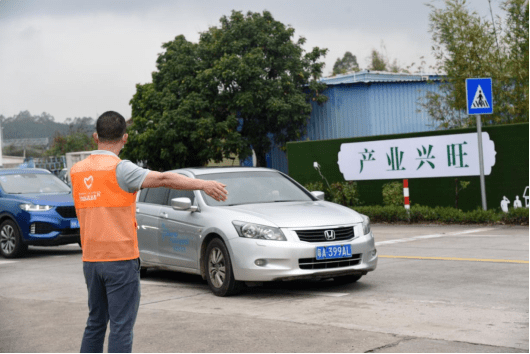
[[113, 294]]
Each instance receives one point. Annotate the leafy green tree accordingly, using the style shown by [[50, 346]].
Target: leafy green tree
[[377, 61], [78, 141], [348, 63], [516, 43], [466, 46], [245, 83]]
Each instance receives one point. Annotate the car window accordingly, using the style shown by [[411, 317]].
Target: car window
[[156, 195], [178, 193], [33, 183], [143, 194], [256, 187]]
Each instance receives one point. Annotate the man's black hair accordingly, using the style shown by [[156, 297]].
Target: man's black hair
[[110, 126]]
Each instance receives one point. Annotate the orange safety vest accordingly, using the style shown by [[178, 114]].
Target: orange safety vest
[[106, 213]]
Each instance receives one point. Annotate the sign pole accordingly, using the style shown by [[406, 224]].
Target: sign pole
[[481, 163], [480, 101]]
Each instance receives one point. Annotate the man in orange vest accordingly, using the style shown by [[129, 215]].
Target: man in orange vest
[[104, 190]]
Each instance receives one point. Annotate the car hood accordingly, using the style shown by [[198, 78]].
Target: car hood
[[45, 199], [301, 214]]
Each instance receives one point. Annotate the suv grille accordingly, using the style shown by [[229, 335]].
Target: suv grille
[[66, 211], [341, 234], [312, 263]]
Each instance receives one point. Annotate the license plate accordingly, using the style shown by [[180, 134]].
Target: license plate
[[332, 252], [74, 224]]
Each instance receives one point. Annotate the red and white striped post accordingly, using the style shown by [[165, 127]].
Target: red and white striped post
[[406, 194]]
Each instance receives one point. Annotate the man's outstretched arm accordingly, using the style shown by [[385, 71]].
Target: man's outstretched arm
[[172, 180]]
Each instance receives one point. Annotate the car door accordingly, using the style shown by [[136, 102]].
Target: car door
[[147, 215], [180, 232]]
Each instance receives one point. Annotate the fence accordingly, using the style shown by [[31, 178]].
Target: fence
[[509, 175]]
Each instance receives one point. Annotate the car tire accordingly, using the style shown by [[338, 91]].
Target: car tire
[[11, 244], [347, 279], [219, 273], [143, 272]]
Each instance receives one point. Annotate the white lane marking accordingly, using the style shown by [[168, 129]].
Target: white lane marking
[[416, 238], [6, 262]]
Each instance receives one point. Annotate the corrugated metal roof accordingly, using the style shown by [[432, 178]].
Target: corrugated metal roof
[[367, 76]]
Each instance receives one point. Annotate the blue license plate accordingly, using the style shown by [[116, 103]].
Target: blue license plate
[[74, 224], [332, 252]]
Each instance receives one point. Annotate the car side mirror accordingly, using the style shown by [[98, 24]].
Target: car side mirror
[[183, 204], [319, 195]]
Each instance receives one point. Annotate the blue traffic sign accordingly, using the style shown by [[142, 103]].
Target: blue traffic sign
[[479, 96]]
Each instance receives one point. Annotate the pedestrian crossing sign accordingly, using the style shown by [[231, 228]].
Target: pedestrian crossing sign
[[479, 97]]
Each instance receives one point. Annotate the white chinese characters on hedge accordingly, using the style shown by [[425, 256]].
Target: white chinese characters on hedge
[[517, 203], [504, 204]]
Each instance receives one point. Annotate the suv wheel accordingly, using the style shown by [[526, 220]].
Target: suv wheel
[[11, 245], [219, 274]]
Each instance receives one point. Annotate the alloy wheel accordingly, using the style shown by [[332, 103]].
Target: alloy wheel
[[217, 267], [7, 239]]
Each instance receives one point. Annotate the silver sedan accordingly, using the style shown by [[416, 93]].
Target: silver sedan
[[270, 228]]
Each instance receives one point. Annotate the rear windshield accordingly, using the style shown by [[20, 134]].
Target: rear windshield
[[33, 183]]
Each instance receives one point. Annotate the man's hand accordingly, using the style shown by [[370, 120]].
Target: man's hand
[[215, 190]]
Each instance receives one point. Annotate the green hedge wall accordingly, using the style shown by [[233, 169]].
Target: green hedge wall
[[509, 175]]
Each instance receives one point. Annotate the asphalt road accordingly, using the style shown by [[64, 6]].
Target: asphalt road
[[436, 289]]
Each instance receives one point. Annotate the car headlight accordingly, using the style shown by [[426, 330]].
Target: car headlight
[[366, 224], [35, 207], [250, 230]]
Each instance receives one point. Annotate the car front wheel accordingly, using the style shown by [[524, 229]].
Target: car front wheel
[[219, 274], [11, 245]]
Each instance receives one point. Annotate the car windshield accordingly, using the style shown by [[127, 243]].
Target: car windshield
[[256, 187], [33, 183]]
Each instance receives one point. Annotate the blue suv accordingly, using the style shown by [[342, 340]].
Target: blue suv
[[36, 208]]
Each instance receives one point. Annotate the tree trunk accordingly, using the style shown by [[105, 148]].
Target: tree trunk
[[261, 159]]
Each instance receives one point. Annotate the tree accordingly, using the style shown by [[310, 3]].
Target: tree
[[466, 46], [516, 42], [348, 63], [377, 61], [245, 84], [78, 141]]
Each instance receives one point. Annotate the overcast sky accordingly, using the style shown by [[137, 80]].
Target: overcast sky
[[80, 58]]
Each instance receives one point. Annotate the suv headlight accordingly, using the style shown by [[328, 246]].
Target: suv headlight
[[34, 207], [250, 230], [366, 224]]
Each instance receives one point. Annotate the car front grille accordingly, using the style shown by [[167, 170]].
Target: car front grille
[[341, 234], [66, 211], [312, 263]]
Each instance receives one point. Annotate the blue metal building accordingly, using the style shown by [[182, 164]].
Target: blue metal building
[[368, 103]]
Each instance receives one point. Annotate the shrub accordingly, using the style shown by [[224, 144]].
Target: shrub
[[345, 193], [446, 215], [481, 216], [517, 216], [393, 194], [315, 186]]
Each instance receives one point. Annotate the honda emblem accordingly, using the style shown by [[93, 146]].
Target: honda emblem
[[330, 234]]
